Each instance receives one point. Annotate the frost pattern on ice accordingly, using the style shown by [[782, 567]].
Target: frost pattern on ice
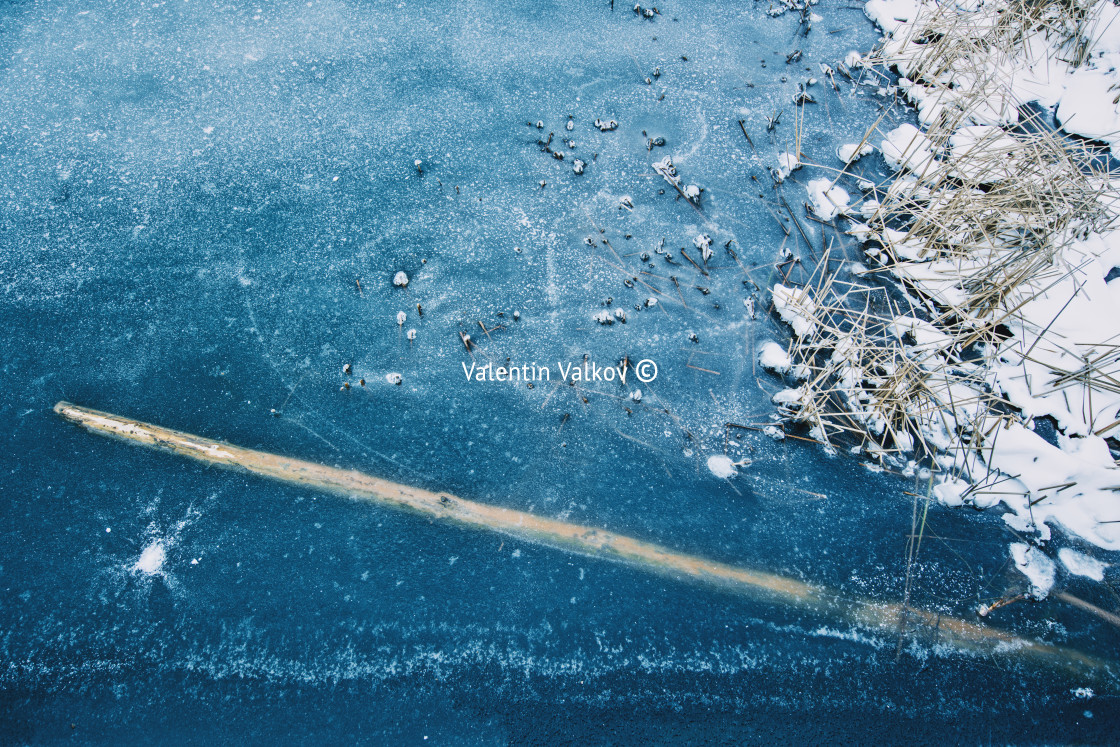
[[151, 558]]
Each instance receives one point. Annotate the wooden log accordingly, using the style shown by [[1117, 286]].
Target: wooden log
[[884, 617]]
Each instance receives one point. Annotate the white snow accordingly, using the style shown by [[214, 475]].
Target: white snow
[[774, 432], [1057, 321], [703, 242], [722, 466], [1080, 564], [1034, 564], [151, 558], [1070, 486], [1082, 111], [792, 399], [827, 200], [796, 307], [1084, 97], [787, 164], [850, 152], [950, 492], [774, 357], [925, 336], [906, 147], [400, 279]]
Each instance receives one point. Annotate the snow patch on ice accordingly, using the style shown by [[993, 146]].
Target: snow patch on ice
[[906, 147], [827, 200], [721, 465], [796, 308], [1080, 564], [1034, 564], [787, 164], [151, 558], [773, 357], [850, 152]]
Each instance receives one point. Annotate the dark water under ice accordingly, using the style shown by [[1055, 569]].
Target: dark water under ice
[[190, 195]]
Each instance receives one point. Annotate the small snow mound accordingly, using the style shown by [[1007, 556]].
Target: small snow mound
[[787, 164], [151, 558], [796, 308], [849, 152], [721, 465], [773, 357], [950, 492], [400, 279], [703, 242], [791, 399], [908, 147], [828, 200]]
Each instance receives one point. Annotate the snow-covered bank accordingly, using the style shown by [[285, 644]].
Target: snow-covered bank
[[1004, 233], [1066, 60], [1037, 271]]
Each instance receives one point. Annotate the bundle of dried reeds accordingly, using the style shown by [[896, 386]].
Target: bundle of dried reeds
[[982, 216]]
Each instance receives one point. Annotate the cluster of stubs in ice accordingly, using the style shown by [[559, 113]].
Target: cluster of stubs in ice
[[996, 357]]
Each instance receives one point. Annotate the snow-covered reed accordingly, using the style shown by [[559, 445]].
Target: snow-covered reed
[[1000, 232]]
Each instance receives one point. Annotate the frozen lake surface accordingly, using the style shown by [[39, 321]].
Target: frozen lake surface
[[203, 209]]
